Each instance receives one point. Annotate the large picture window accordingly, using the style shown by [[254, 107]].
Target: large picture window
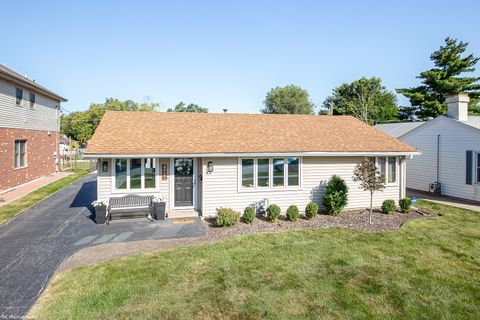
[[269, 173], [134, 174]]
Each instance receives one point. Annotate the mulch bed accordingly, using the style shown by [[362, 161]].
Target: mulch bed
[[356, 219]]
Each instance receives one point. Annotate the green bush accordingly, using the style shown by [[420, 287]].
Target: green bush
[[335, 198], [311, 210], [248, 215], [292, 213], [388, 206], [273, 212], [405, 205], [227, 217]]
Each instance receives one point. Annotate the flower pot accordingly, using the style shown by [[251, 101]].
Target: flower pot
[[159, 210], [100, 213]]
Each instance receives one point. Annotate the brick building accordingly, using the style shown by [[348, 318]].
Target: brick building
[[29, 129]]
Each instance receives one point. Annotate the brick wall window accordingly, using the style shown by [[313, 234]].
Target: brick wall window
[[20, 153], [18, 96]]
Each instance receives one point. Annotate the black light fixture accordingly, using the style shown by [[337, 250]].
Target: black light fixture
[[209, 166], [104, 166]]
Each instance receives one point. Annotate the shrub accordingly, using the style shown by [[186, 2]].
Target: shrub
[[336, 195], [311, 210], [273, 211], [227, 217], [405, 205], [249, 215], [292, 213], [388, 206]]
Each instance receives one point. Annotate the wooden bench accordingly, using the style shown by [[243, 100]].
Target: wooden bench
[[129, 206]]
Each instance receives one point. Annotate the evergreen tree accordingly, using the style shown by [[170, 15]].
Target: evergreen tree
[[428, 99]]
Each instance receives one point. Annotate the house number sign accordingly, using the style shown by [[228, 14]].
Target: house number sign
[[164, 171]]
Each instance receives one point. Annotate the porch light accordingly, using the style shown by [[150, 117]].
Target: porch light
[[104, 166], [209, 166]]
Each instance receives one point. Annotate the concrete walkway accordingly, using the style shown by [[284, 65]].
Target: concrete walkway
[[464, 204], [24, 189], [37, 241]]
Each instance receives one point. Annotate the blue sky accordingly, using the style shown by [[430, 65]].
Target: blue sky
[[224, 54]]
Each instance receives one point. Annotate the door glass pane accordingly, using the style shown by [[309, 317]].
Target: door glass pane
[[121, 173], [247, 173], [135, 173], [262, 172], [293, 176], [381, 167], [392, 170], [22, 153], [278, 172], [150, 166]]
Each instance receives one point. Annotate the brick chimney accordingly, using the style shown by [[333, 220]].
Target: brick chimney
[[458, 106]]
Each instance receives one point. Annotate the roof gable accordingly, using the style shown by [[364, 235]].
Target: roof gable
[[159, 133]]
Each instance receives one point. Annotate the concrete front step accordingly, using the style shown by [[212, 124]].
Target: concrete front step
[[182, 214]]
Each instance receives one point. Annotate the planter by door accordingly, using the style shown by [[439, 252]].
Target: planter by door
[[159, 210], [100, 213]]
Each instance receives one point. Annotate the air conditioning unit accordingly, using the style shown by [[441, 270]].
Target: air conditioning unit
[[435, 187]]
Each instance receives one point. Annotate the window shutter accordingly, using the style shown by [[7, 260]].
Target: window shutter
[[469, 167]]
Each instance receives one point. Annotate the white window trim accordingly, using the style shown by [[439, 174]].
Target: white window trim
[[397, 171], [142, 189], [256, 188]]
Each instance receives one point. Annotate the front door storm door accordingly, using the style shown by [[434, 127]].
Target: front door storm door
[[183, 182]]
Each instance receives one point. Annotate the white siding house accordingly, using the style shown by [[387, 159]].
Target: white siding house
[[201, 162], [450, 147]]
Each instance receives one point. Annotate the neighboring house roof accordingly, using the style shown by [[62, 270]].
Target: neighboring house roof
[[397, 130], [169, 133], [17, 78], [473, 121]]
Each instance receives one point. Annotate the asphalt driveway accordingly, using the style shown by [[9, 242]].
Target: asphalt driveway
[[36, 242]]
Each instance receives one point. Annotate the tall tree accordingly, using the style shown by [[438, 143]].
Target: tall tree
[[81, 125], [182, 107], [428, 99], [370, 180], [366, 99], [290, 99]]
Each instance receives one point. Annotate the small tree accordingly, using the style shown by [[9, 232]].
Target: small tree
[[370, 179]]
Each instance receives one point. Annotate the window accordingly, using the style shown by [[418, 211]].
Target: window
[[247, 173], [278, 172], [293, 176], [121, 173], [20, 153], [32, 100], [135, 173], [18, 96], [269, 172], [478, 167], [392, 170], [387, 166], [149, 172], [263, 172]]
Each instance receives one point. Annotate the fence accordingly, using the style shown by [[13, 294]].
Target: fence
[[78, 165]]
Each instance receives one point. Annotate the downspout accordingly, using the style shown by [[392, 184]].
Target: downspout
[[438, 158]]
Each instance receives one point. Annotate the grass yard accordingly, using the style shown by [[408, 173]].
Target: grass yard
[[428, 269], [15, 207]]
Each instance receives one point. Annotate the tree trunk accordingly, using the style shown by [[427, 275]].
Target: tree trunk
[[371, 208]]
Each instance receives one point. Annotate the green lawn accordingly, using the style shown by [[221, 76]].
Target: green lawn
[[429, 269], [13, 208]]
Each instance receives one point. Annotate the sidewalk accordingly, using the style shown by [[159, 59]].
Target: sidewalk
[[459, 203], [23, 189]]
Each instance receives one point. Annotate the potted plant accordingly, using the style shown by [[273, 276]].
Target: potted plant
[[100, 210], [159, 206]]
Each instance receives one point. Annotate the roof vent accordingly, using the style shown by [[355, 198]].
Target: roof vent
[[225, 110], [458, 106]]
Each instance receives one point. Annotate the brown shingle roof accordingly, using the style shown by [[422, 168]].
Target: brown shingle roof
[[157, 133]]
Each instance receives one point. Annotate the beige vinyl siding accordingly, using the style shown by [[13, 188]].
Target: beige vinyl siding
[[105, 183], [220, 188], [42, 117], [455, 139]]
